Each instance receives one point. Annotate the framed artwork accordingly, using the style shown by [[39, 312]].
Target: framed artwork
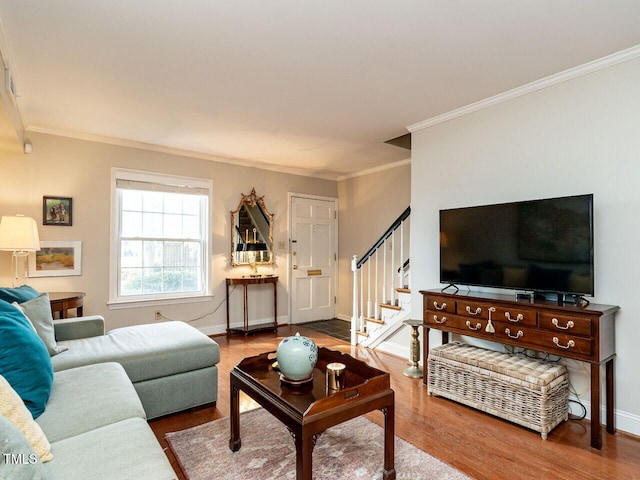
[[57, 211], [56, 259]]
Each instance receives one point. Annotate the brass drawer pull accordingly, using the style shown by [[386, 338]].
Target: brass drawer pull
[[477, 327], [437, 320], [477, 312], [571, 343], [518, 318], [441, 307], [569, 325], [516, 336]]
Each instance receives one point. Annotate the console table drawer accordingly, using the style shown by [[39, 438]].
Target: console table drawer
[[550, 342], [567, 323], [441, 304], [515, 316], [462, 325]]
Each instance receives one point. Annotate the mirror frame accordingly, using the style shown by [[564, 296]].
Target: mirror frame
[[251, 200]]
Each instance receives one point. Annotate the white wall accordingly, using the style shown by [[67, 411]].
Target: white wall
[[368, 205], [81, 169], [580, 136]]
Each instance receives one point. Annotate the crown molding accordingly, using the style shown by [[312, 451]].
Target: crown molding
[[380, 168], [564, 76], [121, 142]]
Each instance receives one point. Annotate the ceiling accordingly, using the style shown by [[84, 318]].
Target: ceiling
[[298, 85]]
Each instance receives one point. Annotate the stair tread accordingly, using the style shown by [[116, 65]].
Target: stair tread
[[392, 307], [361, 333], [403, 290], [374, 320]]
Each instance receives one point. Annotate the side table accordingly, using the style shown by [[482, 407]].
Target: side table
[[62, 302], [245, 282]]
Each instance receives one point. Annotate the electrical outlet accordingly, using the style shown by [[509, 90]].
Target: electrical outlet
[[158, 315]]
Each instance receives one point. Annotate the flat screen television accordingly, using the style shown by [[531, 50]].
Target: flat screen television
[[539, 246]]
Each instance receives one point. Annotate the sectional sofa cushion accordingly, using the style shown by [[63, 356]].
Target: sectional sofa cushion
[[18, 294], [100, 394], [24, 359], [12, 407], [123, 450], [38, 311], [18, 460]]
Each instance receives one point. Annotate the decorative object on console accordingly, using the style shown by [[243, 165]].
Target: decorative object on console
[[19, 235], [57, 211], [56, 259], [251, 233], [297, 356]]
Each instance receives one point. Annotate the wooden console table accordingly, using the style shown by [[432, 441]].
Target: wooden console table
[[245, 282], [581, 333], [62, 302]]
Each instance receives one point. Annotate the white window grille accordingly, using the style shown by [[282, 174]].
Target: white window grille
[[160, 236]]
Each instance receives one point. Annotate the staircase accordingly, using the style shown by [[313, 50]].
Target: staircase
[[381, 286]]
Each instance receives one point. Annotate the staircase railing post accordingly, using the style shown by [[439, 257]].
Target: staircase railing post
[[354, 316], [401, 269], [393, 267]]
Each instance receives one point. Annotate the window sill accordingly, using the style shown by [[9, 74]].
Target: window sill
[[117, 305]]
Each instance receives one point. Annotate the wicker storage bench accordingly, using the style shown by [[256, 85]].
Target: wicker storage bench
[[525, 391]]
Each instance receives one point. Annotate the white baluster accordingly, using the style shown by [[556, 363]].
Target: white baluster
[[384, 271], [369, 287], [354, 306], [393, 267], [376, 305]]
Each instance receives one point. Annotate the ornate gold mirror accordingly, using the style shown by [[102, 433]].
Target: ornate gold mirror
[[251, 233]]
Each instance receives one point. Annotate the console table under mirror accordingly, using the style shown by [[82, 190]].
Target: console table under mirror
[[251, 233]]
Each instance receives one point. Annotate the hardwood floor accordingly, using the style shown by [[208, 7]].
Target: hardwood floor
[[482, 446]]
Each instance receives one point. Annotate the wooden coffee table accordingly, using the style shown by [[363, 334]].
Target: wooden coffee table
[[309, 410]]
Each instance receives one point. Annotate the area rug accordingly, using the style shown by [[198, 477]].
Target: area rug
[[352, 450]]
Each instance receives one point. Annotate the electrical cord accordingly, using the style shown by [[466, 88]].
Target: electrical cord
[[204, 315]]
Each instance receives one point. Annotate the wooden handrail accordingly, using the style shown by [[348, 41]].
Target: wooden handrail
[[403, 216]]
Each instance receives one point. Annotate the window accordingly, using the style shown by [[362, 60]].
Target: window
[[160, 236]]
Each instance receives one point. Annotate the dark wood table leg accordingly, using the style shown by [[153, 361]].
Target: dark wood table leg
[[275, 306], [304, 456], [246, 311], [234, 442], [610, 379], [389, 472], [596, 429], [425, 353], [227, 302]]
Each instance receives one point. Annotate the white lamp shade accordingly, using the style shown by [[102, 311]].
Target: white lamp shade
[[19, 234]]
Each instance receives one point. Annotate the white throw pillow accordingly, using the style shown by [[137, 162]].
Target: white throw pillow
[[12, 407], [38, 311]]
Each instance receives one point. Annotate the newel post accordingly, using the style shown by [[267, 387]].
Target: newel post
[[354, 315]]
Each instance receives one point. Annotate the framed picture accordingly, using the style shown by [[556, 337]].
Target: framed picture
[[56, 259], [57, 211]]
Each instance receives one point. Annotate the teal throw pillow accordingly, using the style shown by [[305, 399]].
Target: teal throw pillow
[[38, 311], [18, 294], [24, 360]]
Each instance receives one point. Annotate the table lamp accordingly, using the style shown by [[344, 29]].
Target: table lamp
[[19, 235]]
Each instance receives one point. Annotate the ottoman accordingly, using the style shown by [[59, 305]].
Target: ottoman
[[526, 391], [172, 365]]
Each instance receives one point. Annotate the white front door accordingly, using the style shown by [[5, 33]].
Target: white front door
[[313, 258]]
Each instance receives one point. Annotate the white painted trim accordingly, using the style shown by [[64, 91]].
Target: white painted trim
[[121, 142], [380, 168], [566, 75]]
